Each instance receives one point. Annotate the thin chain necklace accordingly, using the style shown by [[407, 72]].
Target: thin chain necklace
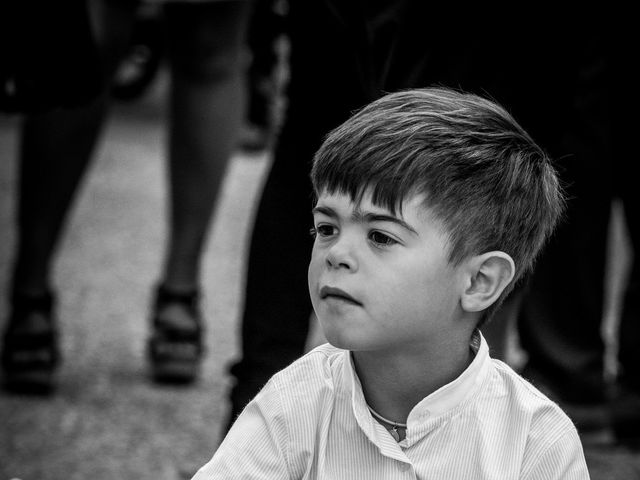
[[394, 425]]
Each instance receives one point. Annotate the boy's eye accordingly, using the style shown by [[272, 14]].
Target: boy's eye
[[322, 231], [380, 238]]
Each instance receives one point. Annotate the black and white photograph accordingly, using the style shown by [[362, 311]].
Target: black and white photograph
[[318, 239]]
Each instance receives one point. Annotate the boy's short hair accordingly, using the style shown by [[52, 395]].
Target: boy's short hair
[[483, 176]]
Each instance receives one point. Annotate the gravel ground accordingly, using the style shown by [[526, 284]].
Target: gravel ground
[[107, 421]]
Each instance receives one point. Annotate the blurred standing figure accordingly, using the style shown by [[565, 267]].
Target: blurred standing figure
[[334, 68], [344, 54], [205, 42], [561, 310]]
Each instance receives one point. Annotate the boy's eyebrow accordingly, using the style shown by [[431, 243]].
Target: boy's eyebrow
[[329, 212], [359, 216], [381, 217]]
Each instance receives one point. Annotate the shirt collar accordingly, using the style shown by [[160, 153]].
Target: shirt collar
[[449, 396], [443, 400]]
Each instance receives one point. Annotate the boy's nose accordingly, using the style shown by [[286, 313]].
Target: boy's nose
[[341, 255]]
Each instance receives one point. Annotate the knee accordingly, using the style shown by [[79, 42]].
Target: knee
[[205, 63], [202, 48]]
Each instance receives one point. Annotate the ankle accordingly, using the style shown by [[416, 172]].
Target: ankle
[[178, 288], [30, 289], [170, 294], [173, 305], [32, 300]]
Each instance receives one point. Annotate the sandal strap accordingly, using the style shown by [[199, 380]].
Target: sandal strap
[[188, 299], [167, 335], [29, 342], [22, 304], [167, 295]]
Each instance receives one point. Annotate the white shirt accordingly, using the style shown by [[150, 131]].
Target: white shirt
[[311, 421]]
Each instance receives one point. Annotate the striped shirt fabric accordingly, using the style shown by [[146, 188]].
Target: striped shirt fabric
[[311, 421]]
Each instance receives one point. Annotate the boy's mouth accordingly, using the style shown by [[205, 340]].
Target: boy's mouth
[[333, 292]]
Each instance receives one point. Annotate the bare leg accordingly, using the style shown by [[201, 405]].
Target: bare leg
[[55, 150], [205, 43], [207, 105]]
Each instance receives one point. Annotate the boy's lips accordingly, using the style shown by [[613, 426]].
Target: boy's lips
[[333, 292]]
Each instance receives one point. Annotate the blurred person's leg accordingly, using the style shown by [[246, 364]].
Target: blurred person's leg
[[277, 307], [626, 404], [561, 315], [55, 150], [330, 77], [206, 52]]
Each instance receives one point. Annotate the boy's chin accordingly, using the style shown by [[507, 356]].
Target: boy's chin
[[349, 333], [347, 342], [338, 339]]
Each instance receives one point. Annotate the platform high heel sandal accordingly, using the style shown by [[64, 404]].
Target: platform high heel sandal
[[175, 347], [30, 354]]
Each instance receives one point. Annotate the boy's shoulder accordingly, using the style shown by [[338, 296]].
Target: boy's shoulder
[[544, 417], [521, 389], [549, 437], [307, 387], [315, 371], [322, 366]]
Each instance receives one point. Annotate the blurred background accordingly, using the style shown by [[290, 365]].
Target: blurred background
[[108, 418]]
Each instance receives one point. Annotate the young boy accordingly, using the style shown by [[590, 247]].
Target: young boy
[[430, 204]]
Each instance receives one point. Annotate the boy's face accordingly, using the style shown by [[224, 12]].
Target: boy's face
[[380, 281]]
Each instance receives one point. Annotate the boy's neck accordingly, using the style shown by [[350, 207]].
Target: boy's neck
[[395, 382]]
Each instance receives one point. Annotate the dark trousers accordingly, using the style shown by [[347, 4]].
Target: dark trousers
[[561, 314], [332, 72], [277, 307]]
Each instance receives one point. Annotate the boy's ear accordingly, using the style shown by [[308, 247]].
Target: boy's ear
[[489, 275]]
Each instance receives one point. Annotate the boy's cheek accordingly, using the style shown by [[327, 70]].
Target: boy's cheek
[[316, 261], [312, 276]]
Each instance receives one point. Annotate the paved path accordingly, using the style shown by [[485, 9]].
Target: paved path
[[107, 421]]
